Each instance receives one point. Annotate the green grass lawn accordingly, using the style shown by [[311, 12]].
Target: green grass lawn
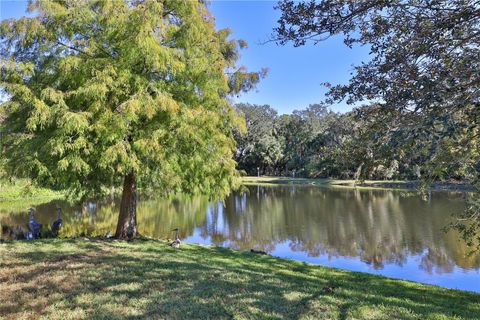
[[100, 279], [23, 191]]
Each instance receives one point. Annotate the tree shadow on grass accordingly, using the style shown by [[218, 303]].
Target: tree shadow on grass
[[151, 280]]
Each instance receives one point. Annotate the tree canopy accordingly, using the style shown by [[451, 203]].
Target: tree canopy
[[102, 92], [318, 143], [260, 149], [423, 74]]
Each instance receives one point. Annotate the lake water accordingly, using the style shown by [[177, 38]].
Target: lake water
[[392, 233]]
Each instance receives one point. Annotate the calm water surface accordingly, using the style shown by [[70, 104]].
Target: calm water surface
[[392, 233]]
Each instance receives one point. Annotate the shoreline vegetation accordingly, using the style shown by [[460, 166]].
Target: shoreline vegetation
[[23, 190], [21, 193], [367, 184], [83, 278]]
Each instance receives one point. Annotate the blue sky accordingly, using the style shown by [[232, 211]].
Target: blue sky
[[295, 74]]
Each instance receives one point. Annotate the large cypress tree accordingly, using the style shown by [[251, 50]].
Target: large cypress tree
[[102, 93]]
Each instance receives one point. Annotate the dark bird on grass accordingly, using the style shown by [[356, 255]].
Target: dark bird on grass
[[257, 251], [57, 224], [176, 243], [34, 227]]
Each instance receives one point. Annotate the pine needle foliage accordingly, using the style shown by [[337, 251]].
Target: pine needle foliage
[[98, 89]]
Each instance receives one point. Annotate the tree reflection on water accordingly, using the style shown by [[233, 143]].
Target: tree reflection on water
[[377, 226]]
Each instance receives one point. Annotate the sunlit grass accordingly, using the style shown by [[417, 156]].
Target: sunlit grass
[[15, 194], [84, 279]]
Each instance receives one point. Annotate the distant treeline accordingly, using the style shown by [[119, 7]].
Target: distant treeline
[[317, 142]]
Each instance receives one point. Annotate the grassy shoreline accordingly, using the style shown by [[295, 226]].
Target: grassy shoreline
[[22, 190], [367, 184], [89, 278]]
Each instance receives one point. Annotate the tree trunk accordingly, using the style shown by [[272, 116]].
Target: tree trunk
[[127, 219]]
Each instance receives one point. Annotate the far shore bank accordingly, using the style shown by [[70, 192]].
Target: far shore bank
[[367, 184], [11, 194]]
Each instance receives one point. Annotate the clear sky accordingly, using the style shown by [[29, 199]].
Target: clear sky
[[295, 74]]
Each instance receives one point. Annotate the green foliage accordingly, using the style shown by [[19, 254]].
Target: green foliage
[[260, 149], [423, 71], [315, 142], [100, 88], [360, 144]]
